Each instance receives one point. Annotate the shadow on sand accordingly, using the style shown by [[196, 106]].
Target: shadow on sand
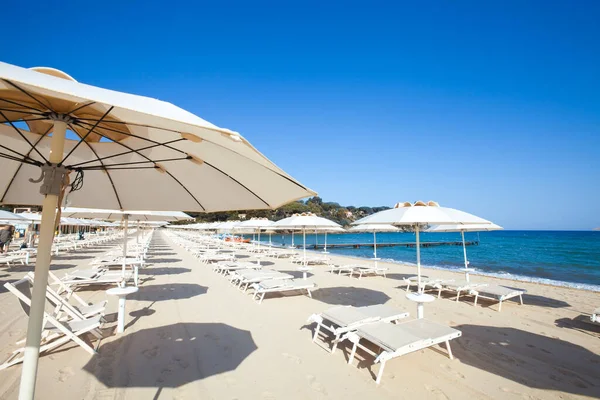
[[164, 271], [581, 323], [543, 301], [169, 291], [530, 359], [171, 356], [350, 295]]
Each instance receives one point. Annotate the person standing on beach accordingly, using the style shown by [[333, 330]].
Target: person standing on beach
[[6, 237]]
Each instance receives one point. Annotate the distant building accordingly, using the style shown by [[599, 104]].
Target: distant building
[[349, 214], [241, 216]]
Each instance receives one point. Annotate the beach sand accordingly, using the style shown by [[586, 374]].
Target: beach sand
[[190, 334]]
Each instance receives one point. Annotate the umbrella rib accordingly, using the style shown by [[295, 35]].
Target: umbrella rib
[[22, 105], [239, 183], [134, 163], [107, 173], [23, 111], [23, 119], [21, 164], [27, 94], [128, 152], [209, 141], [83, 106], [186, 189], [25, 157], [135, 136], [13, 158], [23, 136], [171, 175], [86, 135]]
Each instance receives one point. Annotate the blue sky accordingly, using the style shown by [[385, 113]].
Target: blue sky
[[489, 108]]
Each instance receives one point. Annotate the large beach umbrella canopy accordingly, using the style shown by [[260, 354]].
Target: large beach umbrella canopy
[[302, 222], [122, 152], [374, 228], [418, 215], [462, 229]]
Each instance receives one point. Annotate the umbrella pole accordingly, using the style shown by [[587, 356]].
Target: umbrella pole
[[126, 225], [293, 239], [375, 247], [420, 289], [304, 244], [325, 248], [258, 251], [42, 266], [462, 233]]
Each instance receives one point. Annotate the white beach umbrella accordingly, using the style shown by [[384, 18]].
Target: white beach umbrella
[[462, 229], [227, 226], [334, 229], [302, 222], [12, 217], [374, 228], [130, 152], [255, 224], [420, 214]]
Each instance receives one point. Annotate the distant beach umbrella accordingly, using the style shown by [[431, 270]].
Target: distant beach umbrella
[[302, 222], [374, 228], [256, 224], [12, 217], [418, 215], [122, 152], [462, 229]]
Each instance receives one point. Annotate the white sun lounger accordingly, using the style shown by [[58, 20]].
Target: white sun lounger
[[498, 293], [596, 316], [227, 267], [55, 333], [342, 319], [62, 305], [395, 340], [91, 276], [339, 268], [361, 270], [458, 286], [244, 278], [280, 286]]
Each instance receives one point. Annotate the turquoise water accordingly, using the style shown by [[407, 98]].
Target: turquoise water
[[554, 257]]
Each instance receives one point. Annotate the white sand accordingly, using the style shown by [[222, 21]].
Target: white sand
[[191, 335]]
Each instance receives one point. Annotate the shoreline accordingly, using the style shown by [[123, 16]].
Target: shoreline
[[515, 278]]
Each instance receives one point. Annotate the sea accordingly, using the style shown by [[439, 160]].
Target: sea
[[562, 258]]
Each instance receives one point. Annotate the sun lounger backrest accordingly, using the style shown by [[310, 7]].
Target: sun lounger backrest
[[24, 287]]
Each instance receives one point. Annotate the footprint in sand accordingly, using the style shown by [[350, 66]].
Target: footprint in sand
[[268, 396], [65, 374], [151, 353], [292, 358], [437, 392], [315, 385], [450, 370]]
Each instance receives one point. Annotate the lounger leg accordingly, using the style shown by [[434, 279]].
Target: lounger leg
[[457, 295], [500, 306], [380, 373], [317, 330], [309, 293], [476, 297], [449, 350], [521, 299]]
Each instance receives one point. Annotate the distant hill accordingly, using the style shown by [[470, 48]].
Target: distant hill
[[343, 215], [596, 229]]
